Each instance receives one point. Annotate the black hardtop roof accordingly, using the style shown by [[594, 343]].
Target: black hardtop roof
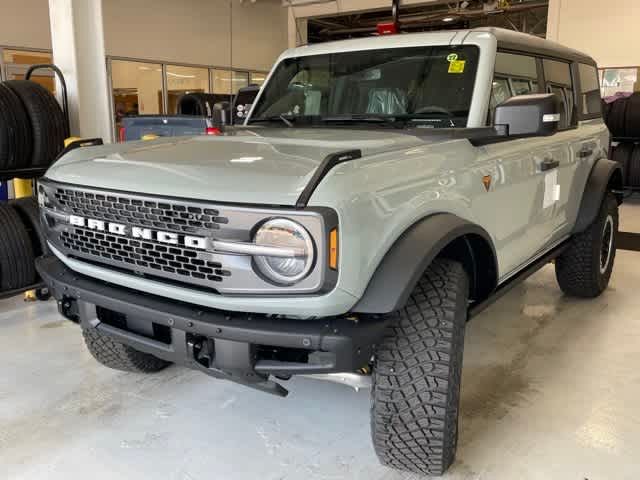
[[510, 40]]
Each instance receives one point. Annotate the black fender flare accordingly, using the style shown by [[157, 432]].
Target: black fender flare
[[605, 176], [406, 261]]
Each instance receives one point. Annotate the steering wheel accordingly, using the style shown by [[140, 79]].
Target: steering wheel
[[434, 109]]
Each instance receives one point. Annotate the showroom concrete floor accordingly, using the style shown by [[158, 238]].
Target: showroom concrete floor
[[550, 391]]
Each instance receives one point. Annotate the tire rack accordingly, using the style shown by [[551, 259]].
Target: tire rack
[[626, 240], [32, 173]]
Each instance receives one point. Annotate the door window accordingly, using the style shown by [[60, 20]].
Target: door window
[[514, 75], [558, 77], [590, 94]]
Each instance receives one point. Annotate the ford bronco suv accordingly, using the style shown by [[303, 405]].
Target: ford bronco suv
[[380, 192]]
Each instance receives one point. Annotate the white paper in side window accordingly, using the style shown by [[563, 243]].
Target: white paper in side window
[[550, 189]]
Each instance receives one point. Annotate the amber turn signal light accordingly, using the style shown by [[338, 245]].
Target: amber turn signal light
[[333, 249]]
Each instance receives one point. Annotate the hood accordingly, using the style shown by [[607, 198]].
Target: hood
[[254, 166]]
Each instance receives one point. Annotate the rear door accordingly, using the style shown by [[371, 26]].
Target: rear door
[[579, 142]]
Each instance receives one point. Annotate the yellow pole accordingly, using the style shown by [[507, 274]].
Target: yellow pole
[[23, 188]]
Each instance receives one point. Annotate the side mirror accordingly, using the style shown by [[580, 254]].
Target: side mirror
[[529, 115], [242, 103], [219, 114]]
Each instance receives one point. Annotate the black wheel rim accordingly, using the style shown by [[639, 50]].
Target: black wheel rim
[[607, 244]]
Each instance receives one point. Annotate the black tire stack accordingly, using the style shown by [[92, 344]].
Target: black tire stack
[[623, 120], [32, 132], [34, 125]]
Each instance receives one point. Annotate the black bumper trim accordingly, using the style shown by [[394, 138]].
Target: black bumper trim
[[346, 344]]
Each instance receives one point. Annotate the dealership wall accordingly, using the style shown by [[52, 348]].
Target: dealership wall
[[608, 31], [25, 23], [188, 31]]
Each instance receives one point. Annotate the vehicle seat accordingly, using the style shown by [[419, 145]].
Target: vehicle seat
[[387, 101]]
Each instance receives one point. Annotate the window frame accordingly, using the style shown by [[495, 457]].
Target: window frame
[[578, 82], [578, 116]]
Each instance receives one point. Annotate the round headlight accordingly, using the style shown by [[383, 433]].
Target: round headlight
[[294, 255]]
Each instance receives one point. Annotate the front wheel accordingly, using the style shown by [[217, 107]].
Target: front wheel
[[584, 269], [416, 378]]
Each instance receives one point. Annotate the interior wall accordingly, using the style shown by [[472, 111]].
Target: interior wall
[[25, 23], [605, 30], [197, 31], [185, 31]]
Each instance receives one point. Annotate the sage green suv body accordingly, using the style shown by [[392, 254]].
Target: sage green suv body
[[380, 191]]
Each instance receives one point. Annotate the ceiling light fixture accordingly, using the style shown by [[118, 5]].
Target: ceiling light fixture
[[448, 19]]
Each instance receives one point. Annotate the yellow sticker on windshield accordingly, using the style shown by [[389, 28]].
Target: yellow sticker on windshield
[[457, 66]]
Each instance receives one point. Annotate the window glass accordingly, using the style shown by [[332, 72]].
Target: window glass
[[558, 77], [221, 81], [514, 75], [137, 89], [618, 80], [521, 87], [590, 95], [258, 78], [18, 61], [557, 72], [182, 80], [430, 84], [500, 92], [239, 80], [513, 65]]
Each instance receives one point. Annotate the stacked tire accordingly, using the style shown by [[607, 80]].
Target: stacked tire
[[17, 269], [32, 126], [623, 116], [628, 155]]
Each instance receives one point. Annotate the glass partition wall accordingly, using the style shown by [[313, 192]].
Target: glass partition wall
[[143, 88]]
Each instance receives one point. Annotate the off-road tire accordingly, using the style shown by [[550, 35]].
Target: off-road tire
[[47, 121], [17, 267], [623, 154], [119, 356], [632, 178], [16, 137], [416, 378], [579, 269], [28, 210]]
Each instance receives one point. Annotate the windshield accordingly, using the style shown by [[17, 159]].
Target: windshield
[[432, 85]]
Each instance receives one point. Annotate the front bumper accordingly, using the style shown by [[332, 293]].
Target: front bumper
[[246, 348]]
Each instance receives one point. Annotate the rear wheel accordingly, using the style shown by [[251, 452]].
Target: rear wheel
[[117, 355], [416, 378], [584, 269]]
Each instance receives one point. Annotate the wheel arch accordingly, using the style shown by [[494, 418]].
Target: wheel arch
[[440, 235], [606, 176]]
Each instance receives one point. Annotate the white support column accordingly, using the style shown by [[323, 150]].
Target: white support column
[[553, 20], [78, 49], [297, 29]]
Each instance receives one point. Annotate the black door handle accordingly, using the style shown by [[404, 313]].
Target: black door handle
[[585, 152], [549, 164]]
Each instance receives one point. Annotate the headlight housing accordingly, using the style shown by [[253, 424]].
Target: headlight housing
[[296, 254]]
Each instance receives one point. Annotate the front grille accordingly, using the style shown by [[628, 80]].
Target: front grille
[[173, 260], [167, 239], [163, 215]]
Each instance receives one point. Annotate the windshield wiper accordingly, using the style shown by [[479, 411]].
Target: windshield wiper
[[364, 118], [275, 118]]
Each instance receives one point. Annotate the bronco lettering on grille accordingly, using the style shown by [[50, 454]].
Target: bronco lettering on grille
[[170, 238]]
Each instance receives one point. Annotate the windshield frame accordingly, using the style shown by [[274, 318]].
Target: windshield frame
[[385, 120]]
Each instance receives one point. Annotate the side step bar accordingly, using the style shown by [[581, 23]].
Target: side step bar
[[505, 287]]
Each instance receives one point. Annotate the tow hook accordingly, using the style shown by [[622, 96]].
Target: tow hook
[[230, 361]]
